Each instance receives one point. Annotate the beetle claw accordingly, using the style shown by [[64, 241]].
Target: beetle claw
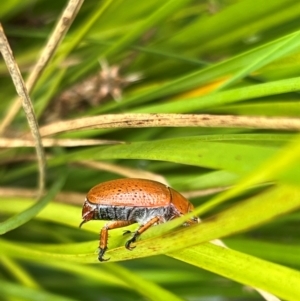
[[128, 243], [129, 247], [101, 254]]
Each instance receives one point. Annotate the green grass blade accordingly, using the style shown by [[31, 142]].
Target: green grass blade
[[271, 203], [146, 288], [26, 215], [225, 68], [222, 98], [278, 280], [166, 9], [30, 294]]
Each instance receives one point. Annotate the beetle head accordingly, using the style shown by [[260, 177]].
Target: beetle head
[[88, 212]]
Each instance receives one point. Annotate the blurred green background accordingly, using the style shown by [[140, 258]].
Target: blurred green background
[[204, 57]]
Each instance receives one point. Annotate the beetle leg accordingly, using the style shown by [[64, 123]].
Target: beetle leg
[[104, 236], [140, 230]]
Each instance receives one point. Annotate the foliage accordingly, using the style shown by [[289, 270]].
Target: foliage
[[211, 57]]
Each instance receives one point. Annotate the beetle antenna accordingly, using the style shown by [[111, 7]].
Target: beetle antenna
[[83, 222]]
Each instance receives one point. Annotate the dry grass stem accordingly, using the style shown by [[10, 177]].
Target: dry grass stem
[[27, 106], [49, 142], [170, 120], [78, 198], [124, 171], [62, 197], [55, 39], [203, 192]]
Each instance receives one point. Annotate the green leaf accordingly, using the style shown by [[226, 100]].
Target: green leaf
[[222, 98], [243, 216], [30, 294], [278, 280], [240, 63], [26, 215]]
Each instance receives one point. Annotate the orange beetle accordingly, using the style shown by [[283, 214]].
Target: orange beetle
[[128, 201]]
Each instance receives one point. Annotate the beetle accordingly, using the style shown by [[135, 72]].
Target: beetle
[[128, 201]]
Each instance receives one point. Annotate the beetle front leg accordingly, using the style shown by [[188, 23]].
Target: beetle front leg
[[139, 231], [104, 236]]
